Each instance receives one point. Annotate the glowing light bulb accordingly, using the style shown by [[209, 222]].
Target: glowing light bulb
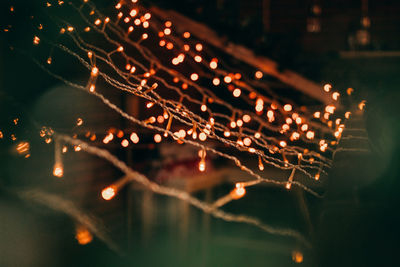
[[304, 127], [285, 127], [125, 143], [58, 170], [330, 109], [216, 81], [361, 105], [295, 136], [260, 164], [133, 13], [202, 165], [246, 118], [238, 192], [199, 47], [198, 58], [297, 256], [83, 236], [310, 135], [79, 121], [213, 65], [202, 136], [157, 138], [259, 105], [287, 107], [194, 77], [227, 79], [147, 16], [349, 91], [167, 31], [327, 87], [258, 74], [335, 95], [36, 40], [109, 192], [247, 141], [237, 92]]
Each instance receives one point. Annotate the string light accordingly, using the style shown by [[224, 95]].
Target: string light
[[83, 236], [58, 168], [238, 192], [271, 115]]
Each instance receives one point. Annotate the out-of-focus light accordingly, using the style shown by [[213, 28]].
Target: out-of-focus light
[[108, 193]]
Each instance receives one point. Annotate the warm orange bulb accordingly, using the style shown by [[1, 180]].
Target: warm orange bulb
[[227, 79], [199, 47], [259, 74], [246, 118], [297, 256], [83, 236], [327, 87], [36, 40], [125, 143], [157, 138], [194, 77], [109, 192], [133, 13], [202, 136], [202, 165], [247, 141], [238, 192], [287, 107], [237, 92], [216, 81], [213, 65], [310, 135], [167, 31]]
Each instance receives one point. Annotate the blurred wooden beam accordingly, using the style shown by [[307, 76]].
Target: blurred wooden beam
[[266, 65]]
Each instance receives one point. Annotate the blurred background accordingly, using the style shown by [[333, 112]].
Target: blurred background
[[349, 43]]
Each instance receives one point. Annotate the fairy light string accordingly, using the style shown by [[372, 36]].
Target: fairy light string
[[178, 86]]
